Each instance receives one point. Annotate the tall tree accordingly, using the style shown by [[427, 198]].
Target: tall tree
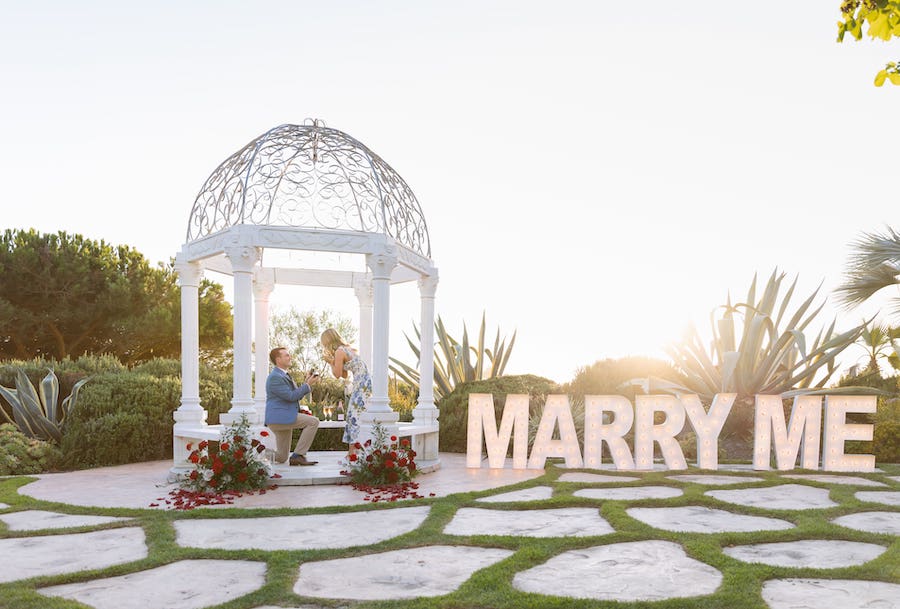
[[881, 19], [301, 331], [873, 266], [62, 295]]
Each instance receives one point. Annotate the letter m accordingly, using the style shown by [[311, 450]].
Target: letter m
[[483, 424]]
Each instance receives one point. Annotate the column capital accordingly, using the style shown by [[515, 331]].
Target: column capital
[[365, 294], [242, 258], [263, 284], [381, 265], [428, 286], [189, 273]]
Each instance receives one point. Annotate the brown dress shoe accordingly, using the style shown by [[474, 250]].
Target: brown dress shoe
[[301, 460]]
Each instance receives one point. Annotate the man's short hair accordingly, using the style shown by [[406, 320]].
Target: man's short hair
[[274, 353]]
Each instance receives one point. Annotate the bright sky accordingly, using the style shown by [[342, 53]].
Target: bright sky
[[595, 175]]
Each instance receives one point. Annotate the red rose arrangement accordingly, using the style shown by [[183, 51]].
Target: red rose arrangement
[[381, 461], [225, 470]]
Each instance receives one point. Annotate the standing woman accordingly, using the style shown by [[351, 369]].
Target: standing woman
[[343, 358]]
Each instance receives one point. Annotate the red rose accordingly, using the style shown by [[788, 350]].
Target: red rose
[[194, 475], [238, 439], [369, 458], [369, 442], [404, 442], [223, 446], [393, 438], [357, 445], [194, 458], [190, 445], [389, 464], [242, 477], [393, 455], [213, 482], [264, 433], [412, 466], [239, 454], [353, 458], [203, 445], [402, 462], [217, 466]]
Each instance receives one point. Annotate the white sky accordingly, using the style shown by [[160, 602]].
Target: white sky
[[595, 175]]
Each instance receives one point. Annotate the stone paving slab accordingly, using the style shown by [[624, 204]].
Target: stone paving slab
[[885, 497], [537, 493], [713, 480], [828, 479], [399, 574], [837, 593], [598, 478], [894, 478], [816, 553], [317, 531], [871, 522], [35, 520], [698, 519], [3, 506], [635, 571], [630, 493], [304, 607], [560, 522], [58, 554], [782, 497], [187, 584]]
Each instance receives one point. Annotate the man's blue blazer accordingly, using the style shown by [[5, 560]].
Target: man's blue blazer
[[282, 398]]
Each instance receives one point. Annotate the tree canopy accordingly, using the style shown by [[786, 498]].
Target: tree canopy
[[881, 19], [63, 295]]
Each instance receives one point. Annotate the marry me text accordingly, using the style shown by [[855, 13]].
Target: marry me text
[[801, 435]]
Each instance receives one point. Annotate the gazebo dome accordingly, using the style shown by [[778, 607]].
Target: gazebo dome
[[309, 176]]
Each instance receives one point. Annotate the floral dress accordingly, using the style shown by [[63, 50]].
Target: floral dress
[[360, 391]]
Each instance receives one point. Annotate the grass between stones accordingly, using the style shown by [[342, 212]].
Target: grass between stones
[[491, 587]]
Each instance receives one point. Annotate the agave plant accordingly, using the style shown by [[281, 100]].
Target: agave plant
[[767, 352], [35, 411], [452, 359]]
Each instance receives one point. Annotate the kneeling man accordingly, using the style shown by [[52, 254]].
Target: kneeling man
[[282, 415]]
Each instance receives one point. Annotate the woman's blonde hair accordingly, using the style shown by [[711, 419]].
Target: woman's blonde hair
[[331, 340]]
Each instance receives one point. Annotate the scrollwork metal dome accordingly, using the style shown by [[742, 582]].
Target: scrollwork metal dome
[[309, 176]]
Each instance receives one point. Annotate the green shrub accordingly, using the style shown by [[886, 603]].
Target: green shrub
[[609, 376], [454, 408], [886, 439], [21, 455], [122, 417]]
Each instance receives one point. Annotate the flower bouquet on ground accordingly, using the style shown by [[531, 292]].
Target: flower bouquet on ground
[[383, 467], [226, 470]]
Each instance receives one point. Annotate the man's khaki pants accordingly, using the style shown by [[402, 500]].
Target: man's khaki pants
[[309, 425]]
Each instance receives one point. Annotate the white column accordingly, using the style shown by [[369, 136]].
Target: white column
[[190, 413], [366, 298], [425, 411], [243, 260], [263, 285], [378, 408]]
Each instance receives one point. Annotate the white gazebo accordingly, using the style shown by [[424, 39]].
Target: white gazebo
[[315, 189]]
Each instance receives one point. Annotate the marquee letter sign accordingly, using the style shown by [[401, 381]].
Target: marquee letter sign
[[801, 435]]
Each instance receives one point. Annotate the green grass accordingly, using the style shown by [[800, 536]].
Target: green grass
[[491, 587]]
